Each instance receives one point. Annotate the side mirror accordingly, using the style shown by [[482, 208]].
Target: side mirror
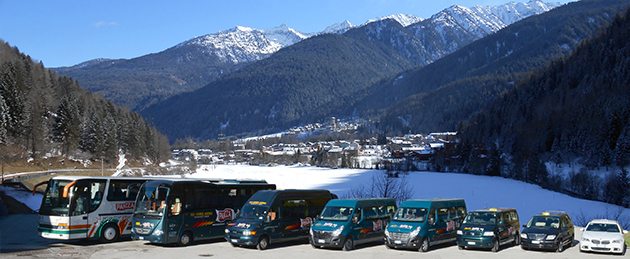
[[431, 221], [501, 223], [524, 226], [267, 219], [355, 220], [625, 232]]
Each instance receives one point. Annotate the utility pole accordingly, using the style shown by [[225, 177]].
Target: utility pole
[[101, 166]]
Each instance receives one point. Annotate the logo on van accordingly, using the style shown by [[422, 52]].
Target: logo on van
[[125, 206], [377, 225], [222, 215], [450, 225], [307, 222]]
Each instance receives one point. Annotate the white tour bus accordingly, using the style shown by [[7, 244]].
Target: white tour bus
[[80, 207]]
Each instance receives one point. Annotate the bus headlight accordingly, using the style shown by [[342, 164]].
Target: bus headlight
[[488, 233], [249, 232], [414, 233], [227, 231], [158, 232], [338, 231], [386, 232], [460, 233]]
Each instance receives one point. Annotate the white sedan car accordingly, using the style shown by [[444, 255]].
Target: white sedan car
[[603, 235]]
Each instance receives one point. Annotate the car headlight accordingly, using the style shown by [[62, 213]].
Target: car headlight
[[618, 241], [227, 231], [249, 232], [459, 232], [523, 235], [414, 233], [338, 231], [551, 237], [488, 233], [386, 232], [586, 239]]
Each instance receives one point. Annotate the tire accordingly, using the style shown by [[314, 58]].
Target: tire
[[233, 244], [572, 241], [110, 233], [424, 245], [263, 243], [517, 239], [623, 252], [460, 247], [185, 239], [495, 246], [560, 247], [348, 244]]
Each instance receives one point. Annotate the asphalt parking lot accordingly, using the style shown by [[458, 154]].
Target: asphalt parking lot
[[19, 239]]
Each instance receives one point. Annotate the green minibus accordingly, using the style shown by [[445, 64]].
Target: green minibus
[[419, 224], [344, 223]]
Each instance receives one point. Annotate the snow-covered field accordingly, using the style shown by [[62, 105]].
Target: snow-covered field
[[478, 191]]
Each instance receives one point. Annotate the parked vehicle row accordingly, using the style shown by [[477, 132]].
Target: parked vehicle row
[[252, 213]]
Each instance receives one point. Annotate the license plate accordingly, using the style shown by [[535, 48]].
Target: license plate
[[397, 242], [321, 241], [234, 240], [140, 238], [535, 242], [471, 243]]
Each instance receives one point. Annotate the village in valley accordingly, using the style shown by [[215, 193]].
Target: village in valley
[[414, 151]]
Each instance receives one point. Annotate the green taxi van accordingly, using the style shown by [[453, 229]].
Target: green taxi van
[[489, 228], [274, 216], [419, 224], [550, 230], [344, 223]]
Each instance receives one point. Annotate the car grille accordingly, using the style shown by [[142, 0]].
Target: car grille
[[472, 233], [325, 235], [600, 249], [399, 236], [142, 231], [603, 242], [535, 236]]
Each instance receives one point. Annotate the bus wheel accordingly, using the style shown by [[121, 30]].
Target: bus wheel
[[263, 243], [185, 239], [424, 245], [348, 244], [109, 233]]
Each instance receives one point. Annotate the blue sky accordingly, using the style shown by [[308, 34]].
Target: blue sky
[[67, 32]]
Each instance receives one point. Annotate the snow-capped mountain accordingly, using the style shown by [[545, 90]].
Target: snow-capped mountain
[[404, 20], [456, 26]]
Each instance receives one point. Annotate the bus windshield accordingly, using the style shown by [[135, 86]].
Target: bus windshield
[[336, 213], [411, 214], [53, 202], [254, 212], [151, 201]]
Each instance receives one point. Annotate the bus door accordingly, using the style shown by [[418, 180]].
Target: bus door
[[79, 208], [85, 200], [175, 219]]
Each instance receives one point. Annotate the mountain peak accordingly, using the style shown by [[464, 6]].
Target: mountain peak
[[404, 19]]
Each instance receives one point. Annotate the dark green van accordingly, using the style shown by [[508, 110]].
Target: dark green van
[[344, 223], [489, 228], [276, 216], [419, 224]]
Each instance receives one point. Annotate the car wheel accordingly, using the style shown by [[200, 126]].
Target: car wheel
[[560, 247], [460, 247], [234, 244], [517, 239], [623, 252], [424, 245], [185, 239], [572, 241], [348, 244], [263, 243], [495, 246], [109, 233]]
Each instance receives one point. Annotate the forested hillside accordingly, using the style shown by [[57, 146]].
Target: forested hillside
[[280, 91], [43, 114], [441, 95], [577, 109]]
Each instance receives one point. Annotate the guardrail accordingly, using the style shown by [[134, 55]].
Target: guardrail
[[18, 177]]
